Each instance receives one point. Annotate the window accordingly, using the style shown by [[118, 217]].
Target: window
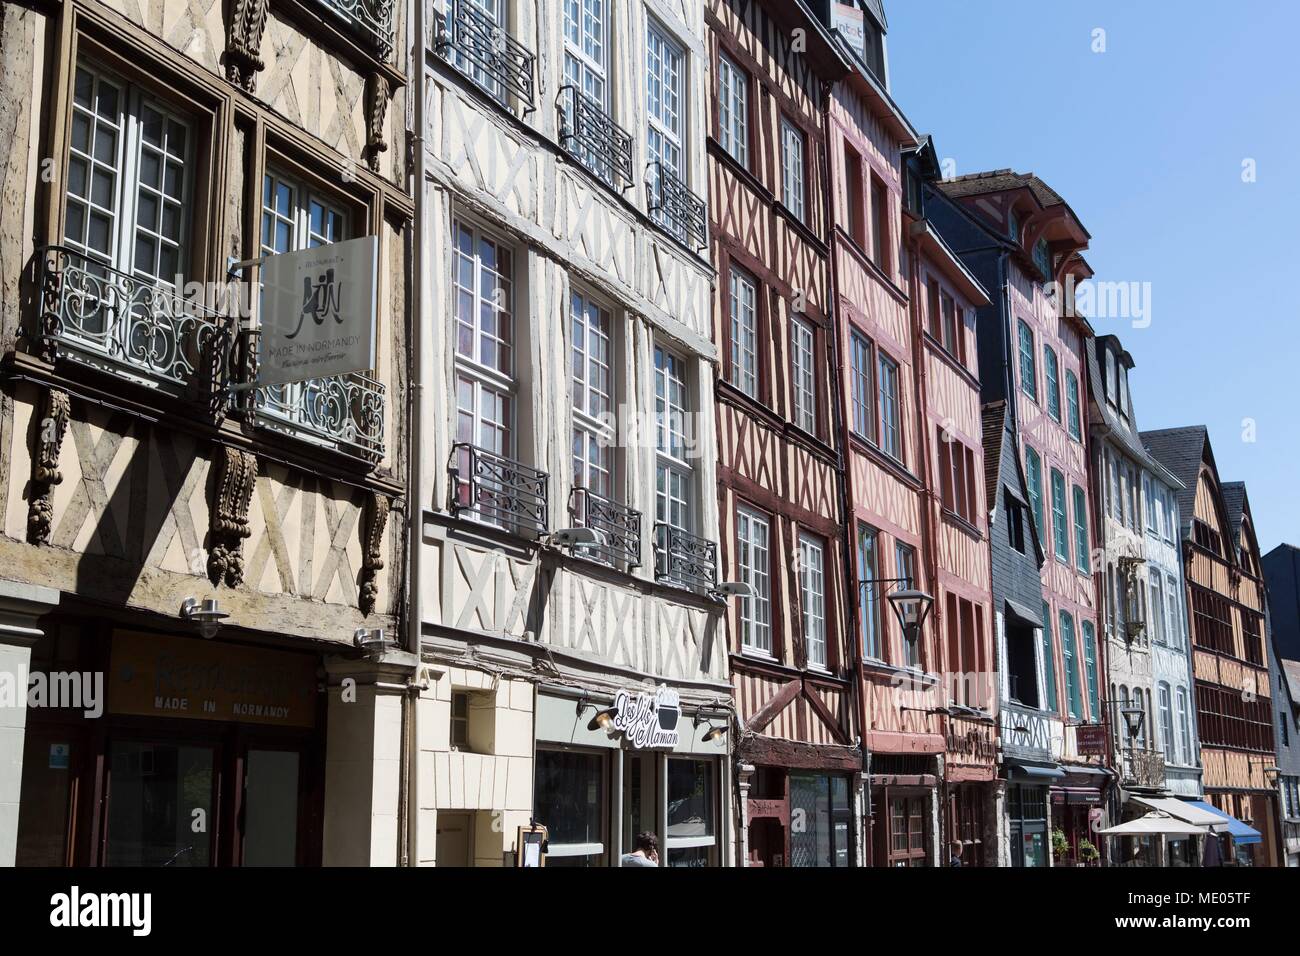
[[569, 794], [952, 327], [1184, 727], [1156, 510], [483, 287], [1165, 703], [1211, 621], [1072, 405], [673, 471], [594, 431], [733, 109], [869, 594], [1034, 478], [1116, 504], [1052, 372], [812, 598], [1015, 522], [752, 558], [1060, 523], [665, 68], [1175, 616], [460, 721], [744, 333], [908, 832], [1043, 259], [890, 413], [1090, 669], [864, 419], [1069, 661], [856, 217], [1021, 642], [1112, 378], [822, 802], [1049, 660], [934, 305], [1028, 372], [801, 374], [1082, 556], [129, 181], [1157, 617], [1123, 391], [692, 835], [1206, 537], [793, 190], [905, 571], [957, 477], [880, 224], [586, 42]]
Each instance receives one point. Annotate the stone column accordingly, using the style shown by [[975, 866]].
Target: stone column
[[20, 606], [744, 780], [363, 757]]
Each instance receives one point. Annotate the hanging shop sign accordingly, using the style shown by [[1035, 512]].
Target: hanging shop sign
[[648, 721], [153, 675], [1091, 739], [318, 312]]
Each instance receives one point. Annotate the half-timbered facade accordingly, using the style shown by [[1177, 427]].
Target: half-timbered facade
[[1226, 605], [1023, 241], [145, 472], [568, 573], [1139, 571], [779, 466]]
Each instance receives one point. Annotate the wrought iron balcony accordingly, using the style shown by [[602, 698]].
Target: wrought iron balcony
[[1142, 768], [132, 327], [677, 210], [685, 560], [372, 18], [474, 43], [590, 135], [344, 413], [620, 524], [498, 491]]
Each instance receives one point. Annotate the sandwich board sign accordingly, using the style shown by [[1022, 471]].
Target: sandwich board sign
[[318, 312]]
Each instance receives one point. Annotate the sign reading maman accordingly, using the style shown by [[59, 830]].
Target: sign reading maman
[[648, 720], [318, 312]]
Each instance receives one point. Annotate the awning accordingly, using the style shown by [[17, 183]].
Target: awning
[[1240, 832], [1193, 812], [1154, 822], [1025, 614], [1040, 772]]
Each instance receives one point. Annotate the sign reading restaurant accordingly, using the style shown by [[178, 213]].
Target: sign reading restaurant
[[317, 315], [648, 721], [165, 676]]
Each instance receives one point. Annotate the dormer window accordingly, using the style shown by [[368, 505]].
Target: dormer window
[[1015, 228], [1111, 387], [1043, 259]]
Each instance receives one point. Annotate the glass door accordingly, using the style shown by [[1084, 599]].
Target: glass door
[[160, 803], [270, 808]]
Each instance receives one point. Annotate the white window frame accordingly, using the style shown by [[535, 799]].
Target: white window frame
[[1184, 725], [743, 298], [586, 67], [803, 381], [753, 562], [812, 598], [794, 192], [733, 109], [594, 429], [1165, 703], [674, 475], [889, 428], [666, 72]]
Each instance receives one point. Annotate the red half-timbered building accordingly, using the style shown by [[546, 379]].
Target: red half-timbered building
[[777, 405]]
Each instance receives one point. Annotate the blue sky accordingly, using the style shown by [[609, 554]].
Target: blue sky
[[1146, 143]]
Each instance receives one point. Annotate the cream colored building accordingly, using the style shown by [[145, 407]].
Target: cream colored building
[[565, 379], [151, 145]]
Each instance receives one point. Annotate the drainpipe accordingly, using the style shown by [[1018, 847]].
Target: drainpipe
[[415, 497]]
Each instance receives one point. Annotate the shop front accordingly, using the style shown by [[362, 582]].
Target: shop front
[[904, 810], [607, 770], [800, 817], [1077, 814], [196, 753]]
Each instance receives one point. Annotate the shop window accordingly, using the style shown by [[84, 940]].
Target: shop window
[[908, 831], [569, 799], [692, 836], [157, 789], [820, 818]]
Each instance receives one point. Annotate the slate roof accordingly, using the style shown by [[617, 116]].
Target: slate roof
[[1000, 180], [993, 416], [1180, 450], [1291, 672], [1234, 499]]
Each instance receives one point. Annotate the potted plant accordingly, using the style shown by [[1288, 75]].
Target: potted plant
[[1060, 845], [1088, 853]]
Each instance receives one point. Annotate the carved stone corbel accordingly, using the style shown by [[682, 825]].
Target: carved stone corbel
[[372, 541], [378, 93], [51, 427], [244, 42], [237, 473]]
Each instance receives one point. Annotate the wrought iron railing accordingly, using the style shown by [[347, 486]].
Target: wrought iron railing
[[373, 18], [482, 49], [498, 491], [677, 210], [590, 135], [133, 327], [343, 412], [620, 524], [1142, 768], [685, 559]]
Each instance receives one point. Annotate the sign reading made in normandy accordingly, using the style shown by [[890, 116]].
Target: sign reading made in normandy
[[159, 675], [318, 312]]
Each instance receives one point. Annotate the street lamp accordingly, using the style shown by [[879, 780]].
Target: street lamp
[[911, 606], [1133, 716]]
